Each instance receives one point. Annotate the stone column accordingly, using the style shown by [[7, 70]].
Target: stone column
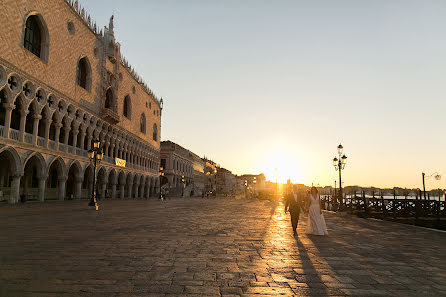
[[77, 188], [15, 189], [102, 189], [75, 133], [23, 114], [62, 181], [106, 146], [121, 191], [113, 193], [37, 117], [141, 190], [47, 131], [57, 134], [148, 188], [67, 129], [81, 144], [42, 184], [89, 138], [130, 188], [136, 190], [8, 111]]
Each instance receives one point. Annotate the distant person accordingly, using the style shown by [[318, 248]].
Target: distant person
[[315, 222], [293, 202]]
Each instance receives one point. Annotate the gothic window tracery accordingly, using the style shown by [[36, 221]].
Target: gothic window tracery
[[143, 123], [155, 132], [127, 108], [33, 36], [83, 73]]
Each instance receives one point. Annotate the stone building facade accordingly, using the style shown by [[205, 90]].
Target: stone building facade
[[64, 83], [176, 162]]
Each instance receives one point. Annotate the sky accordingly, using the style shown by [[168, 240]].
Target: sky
[[257, 85]]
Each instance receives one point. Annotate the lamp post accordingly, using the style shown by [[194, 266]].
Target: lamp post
[[161, 173], [423, 175], [95, 155], [339, 164], [182, 181], [215, 177], [254, 182]]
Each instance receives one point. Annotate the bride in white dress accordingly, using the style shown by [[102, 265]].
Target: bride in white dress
[[315, 222]]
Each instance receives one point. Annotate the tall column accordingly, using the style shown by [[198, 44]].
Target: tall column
[[113, 193], [148, 188], [106, 146], [67, 129], [47, 131], [141, 190], [130, 188], [23, 114], [8, 111], [136, 190], [81, 144], [36, 117], [42, 184], [77, 188], [15, 189], [57, 134], [62, 181], [89, 138], [121, 191], [75, 133]]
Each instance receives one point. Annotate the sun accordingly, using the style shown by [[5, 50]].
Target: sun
[[282, 165]]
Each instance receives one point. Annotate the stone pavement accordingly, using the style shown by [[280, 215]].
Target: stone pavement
[[209, 247]]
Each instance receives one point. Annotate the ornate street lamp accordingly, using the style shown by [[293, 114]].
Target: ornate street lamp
[[184, 185], [435, 175], [161, 173], [339, 164], [95, 155]]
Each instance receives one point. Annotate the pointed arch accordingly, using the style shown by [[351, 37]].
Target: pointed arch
[[127, 107], [40, 161], [15, 164], [83, 73], [142, 124], [35, 37], [155, 132]]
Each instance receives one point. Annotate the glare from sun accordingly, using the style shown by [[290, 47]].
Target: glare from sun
[[281, 166]]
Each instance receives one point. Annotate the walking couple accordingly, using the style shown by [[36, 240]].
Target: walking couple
[[296, 200]]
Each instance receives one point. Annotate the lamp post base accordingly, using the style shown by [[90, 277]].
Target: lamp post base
[[91, 203]]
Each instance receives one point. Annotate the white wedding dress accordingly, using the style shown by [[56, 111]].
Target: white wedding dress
[[315, 222]]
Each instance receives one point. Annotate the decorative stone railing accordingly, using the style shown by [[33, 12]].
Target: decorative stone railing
[[14, 134], [28, 138]]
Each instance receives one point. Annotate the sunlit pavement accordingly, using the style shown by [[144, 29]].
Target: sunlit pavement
[[209, 247]]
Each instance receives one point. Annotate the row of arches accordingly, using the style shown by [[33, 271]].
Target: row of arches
[[34, 177], [62, 128]]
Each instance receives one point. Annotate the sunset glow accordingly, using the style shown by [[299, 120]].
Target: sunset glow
[[282, 165]]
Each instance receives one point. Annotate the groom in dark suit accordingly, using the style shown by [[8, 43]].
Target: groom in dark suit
[[293, 204]]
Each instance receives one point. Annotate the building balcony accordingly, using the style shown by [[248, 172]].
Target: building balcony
[[110, 115]]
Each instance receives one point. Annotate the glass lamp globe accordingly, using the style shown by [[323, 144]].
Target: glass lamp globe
[[335, 162], [91, 154], [340, 148]]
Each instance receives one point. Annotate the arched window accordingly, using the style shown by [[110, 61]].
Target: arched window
[[108, 98], [33, 36], [143, 123], [83, 73], [127, 108], [155, 132]]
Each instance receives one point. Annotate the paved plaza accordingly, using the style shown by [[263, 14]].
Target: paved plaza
[[209, 247]]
